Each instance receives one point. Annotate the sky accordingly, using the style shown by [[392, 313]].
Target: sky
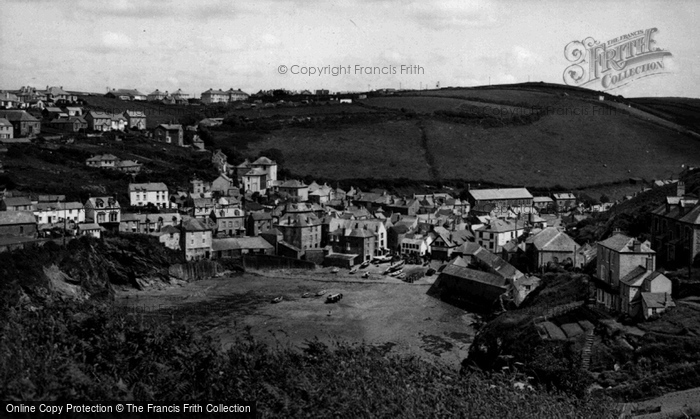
[[93, 45]]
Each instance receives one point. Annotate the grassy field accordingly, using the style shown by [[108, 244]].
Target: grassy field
[[389, 149], [577, 142]]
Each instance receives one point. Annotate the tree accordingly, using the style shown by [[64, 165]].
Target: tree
[[604, 199]]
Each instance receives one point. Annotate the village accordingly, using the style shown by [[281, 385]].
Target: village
[[489, 248]]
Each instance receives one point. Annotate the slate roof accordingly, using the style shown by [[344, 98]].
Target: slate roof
[[500, 226], [149, 187], [170, 127], [292, 184], [17, 217], [657, 300], [497, 194], [552, 240], [17, 116], [566, 195], [241, 243], [256, 172], [89, 226], [193, 224], [5, 123], [15, 201], [52, 206], [623, 244], [474, 275]]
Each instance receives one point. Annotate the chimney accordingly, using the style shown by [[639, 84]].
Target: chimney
[[650, 264], [680, 188], [637, 246]]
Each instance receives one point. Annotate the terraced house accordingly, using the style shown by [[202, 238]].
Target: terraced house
[[675, 228], [23, 124], [155, 193]]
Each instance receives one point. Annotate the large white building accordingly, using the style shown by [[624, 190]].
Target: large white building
[[497, 233], [156, 193]]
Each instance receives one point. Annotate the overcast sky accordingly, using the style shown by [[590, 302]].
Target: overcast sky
[[89, 45]]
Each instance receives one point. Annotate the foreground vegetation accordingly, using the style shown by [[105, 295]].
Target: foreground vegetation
[[89, 351]]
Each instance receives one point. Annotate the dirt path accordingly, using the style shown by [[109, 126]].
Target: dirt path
[[382, 311]]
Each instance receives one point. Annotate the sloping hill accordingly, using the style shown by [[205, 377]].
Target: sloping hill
[[533, 134]]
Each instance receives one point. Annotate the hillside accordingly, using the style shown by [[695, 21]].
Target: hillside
[[530, 134]]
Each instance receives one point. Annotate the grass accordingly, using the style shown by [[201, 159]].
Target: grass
[[381, 150]]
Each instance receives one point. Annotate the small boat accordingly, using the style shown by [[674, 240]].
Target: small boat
[[277, 300], [381, 259], [365, 275], [335, 270], [306, 295], [320, 293], [334, 298], [353, 270], [396, 273], [430, 272], [364, 264], [402, 275]]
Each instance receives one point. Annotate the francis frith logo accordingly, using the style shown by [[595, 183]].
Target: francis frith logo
[[615, 63]]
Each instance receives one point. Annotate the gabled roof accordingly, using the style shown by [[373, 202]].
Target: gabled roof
[[16, 217], [17, 116], [5, 123], [103, 157], [149, 187], [565, 195], [15, 201], [128, 92], [500, 226], [256, 172], [193, 224], [635, 277], [169, 127], [474, 275], [260, 215], [496, 194], [292, 184], [540, 199], [552, 240], [109, 202], [135, 114], [657, 300], [623, 244]]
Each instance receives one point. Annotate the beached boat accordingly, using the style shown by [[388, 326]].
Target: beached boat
[[320, 293], [277, 300]]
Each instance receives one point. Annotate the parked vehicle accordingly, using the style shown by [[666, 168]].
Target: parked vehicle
[[277, 300], [334, 298]]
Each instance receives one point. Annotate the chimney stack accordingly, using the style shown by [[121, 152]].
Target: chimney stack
[[637, 246], [650, 264], [680, 188]]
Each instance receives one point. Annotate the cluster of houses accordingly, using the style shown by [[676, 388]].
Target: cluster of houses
[[494, 243]]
